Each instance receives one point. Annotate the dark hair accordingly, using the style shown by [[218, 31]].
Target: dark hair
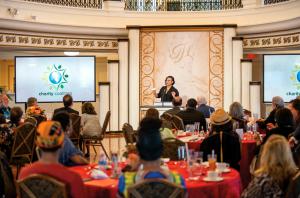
[[88, 108], [177, 101], [173, 79], [192, 103], [284, 117], [67, 100], [31, 101], [15, 115], [50, 150], [149, 144], [295, 104], [2, 119], [227, 128], [152, 113], [63, 118]]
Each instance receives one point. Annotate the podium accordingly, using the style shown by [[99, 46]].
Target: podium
[[160, 106]]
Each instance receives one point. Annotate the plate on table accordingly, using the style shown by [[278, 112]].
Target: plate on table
[[227, 170], [205, 164], [165, 160], [216, 179]]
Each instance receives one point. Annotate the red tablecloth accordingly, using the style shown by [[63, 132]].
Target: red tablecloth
[[247, 152], [230, 187]]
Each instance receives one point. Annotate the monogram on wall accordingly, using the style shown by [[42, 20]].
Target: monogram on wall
[[193, 57]]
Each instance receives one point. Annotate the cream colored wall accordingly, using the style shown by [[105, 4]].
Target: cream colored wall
[[63, 15], [7, 74]]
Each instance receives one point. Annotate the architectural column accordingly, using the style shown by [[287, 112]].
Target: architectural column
[[123, 81], [134, 45], [255, 98], [113, 78], [229, 32], [237, 55], [246, 65], [104, 101]]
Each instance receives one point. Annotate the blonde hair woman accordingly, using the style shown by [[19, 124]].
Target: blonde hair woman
[[276, 168]]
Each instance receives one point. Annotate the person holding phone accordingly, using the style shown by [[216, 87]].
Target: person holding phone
[[167, 92]]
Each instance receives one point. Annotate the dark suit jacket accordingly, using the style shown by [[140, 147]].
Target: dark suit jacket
[[173, 111], [206, 110], [65, 109], [190, 116], [231, 148], [167, 97]]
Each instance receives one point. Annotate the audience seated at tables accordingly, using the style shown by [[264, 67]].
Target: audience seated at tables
[[4, 108], [68, 102], [204, 108], [176, 102], [223, 140], [150, 148], [69, 155], [237, 114], [16, 114], [33, 109], [7, 183], [191, 115], [50, 139], [165, 132], [89, 122], [6, 137], [269, 122], [294, 107], [276, 169]]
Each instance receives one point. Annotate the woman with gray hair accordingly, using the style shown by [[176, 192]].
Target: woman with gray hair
[[269, 122], [237, 114]]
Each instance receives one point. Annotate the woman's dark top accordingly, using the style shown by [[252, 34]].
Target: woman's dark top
[[167, 96]]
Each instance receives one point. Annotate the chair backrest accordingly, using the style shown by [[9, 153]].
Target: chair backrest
[[24, 141], [75, 126], [294, 186], [31, 120], [39, 119], [105, 125], [166, 116], [158, 188], [177, 122], [42, 186], [171, 148], [129, 134], [7, 182]]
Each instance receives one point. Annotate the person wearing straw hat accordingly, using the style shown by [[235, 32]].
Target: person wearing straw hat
[[50, 138], [222, 140]]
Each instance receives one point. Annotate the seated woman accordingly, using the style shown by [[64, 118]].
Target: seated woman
[[6, 137], [89, 122], [150, 148], [16, 114], [237, 115], [165, 132], [276, 168]]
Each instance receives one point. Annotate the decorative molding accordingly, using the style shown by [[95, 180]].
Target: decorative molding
[[286, 40], [246, 60], [18, 40]]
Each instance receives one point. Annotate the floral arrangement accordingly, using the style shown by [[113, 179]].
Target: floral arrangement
[[35, 110]]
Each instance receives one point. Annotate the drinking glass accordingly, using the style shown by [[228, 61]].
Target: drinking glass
[[212, 159]]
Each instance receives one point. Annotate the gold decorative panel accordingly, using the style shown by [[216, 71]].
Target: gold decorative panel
[[193, 57]]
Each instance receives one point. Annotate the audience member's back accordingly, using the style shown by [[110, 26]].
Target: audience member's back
[[68, 102]]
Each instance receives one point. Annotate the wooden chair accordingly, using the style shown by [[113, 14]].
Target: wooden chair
[[129, 134], [166, 116], [158, 188], [41, 186], [75, 128], [97, 140], [31, 120], [39, 119], [23, 146], [294, 186], [171, 148], [177, 122]]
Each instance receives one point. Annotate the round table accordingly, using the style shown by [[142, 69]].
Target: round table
[[230, 187], [247, 153]]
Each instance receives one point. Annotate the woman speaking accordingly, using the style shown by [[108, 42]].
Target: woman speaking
[[168, 92]]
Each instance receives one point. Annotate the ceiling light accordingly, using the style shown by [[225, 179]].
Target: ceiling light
[[71, 53]]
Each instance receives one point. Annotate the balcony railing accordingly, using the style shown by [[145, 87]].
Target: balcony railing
[[73, 3], [182, 5], [267, 2]]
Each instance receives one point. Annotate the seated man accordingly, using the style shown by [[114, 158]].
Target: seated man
[[68, 102], [223, 140], [150, 148], [204, 108], [191, 115], [69, 155], [4, 108], [177, 102], [50, 139]]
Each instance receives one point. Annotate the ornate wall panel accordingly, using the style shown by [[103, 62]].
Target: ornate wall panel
[[18, 40], [284, 40], [194, 57]]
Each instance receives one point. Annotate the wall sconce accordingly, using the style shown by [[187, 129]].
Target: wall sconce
[[12, 11]]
